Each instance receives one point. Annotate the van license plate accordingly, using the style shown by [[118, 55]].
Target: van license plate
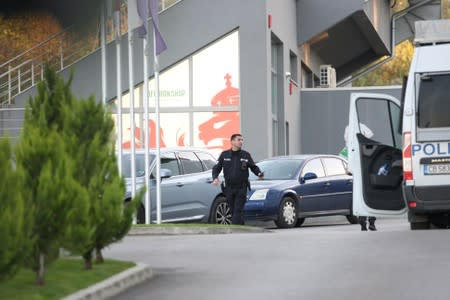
[[437, 169]]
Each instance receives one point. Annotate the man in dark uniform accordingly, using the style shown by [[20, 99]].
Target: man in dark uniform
[[235, 164]]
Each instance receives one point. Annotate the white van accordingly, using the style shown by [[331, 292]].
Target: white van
[[405, 165]]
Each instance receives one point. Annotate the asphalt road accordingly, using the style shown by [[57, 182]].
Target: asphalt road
[[317, 261]]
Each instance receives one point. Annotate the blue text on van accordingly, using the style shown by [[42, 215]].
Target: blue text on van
[[431, 149]]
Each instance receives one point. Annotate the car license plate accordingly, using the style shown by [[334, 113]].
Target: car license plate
[[437, 169]]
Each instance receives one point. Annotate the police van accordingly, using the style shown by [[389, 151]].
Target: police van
[[404, 166]]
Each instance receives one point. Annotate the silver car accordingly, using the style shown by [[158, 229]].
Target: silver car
[[186, 191]]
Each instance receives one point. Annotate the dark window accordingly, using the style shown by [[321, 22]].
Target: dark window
[[170, 162], [314, 166], [293, 62], [190, 162], [434, 101], [378, 120], [334, 166], [207, 159]]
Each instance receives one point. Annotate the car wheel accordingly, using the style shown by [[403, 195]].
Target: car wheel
[[300, 222], [287, 215], [419, 225], [220, 212], [352, 219]]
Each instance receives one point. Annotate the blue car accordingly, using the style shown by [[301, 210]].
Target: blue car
[[299, 187]]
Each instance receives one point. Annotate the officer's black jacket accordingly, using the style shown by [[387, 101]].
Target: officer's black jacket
[[235, 165]]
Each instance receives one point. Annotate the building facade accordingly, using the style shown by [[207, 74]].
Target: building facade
[[242, 66]]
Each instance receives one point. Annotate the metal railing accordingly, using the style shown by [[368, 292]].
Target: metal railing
[[27, 69], [11, 121]]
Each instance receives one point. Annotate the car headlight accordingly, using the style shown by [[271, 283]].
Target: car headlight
[[259, 194]]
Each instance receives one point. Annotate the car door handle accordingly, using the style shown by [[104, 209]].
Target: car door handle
[[327, 184], [350, 181], [180, 184]]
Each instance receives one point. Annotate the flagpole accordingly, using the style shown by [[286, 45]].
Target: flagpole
[[132, 122], [103, 50], [146, 129], [158, 136], [119, 85]]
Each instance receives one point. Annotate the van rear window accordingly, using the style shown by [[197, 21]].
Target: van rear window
[[434, 101]]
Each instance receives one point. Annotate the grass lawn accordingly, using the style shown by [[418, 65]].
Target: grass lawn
[[64, 277]]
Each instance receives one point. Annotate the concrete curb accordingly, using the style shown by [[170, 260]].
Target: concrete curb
[[135, 231], [114, 285]]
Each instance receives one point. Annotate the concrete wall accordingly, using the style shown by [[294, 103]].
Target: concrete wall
[[284, 27], [325, 116]]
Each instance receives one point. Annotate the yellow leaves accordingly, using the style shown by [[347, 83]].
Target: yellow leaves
[[392, 72], [22, 32]]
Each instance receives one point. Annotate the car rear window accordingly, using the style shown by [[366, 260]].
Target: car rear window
[[334, 166], [190, 162], [208, 160], [434, 101]]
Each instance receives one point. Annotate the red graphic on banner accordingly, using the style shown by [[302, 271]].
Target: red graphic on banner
[[220, 126], [223, 124]]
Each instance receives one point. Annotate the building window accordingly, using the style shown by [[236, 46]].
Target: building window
[[277, 103], [293, 62]]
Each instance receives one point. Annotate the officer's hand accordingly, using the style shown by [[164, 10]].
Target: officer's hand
[[216, 181], [261, 177]]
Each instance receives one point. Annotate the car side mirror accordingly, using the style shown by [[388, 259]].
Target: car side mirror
[[165, 173], [308, 176]]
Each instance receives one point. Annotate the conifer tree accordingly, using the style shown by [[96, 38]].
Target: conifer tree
[[59, 202], [92, 147], [14, 215]]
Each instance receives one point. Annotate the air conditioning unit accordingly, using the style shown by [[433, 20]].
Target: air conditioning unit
[[327, 76]]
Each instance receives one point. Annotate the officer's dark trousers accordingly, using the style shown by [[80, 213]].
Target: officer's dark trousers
[[236, 197]]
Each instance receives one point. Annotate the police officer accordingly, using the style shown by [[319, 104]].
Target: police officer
[[235, 163]]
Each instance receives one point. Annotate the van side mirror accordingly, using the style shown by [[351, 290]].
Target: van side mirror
[[308, 176]]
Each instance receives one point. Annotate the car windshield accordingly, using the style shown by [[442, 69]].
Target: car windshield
[[279, 169], [140, 164]]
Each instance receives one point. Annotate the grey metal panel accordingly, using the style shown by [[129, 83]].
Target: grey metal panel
[[325, 116], [316, 16]]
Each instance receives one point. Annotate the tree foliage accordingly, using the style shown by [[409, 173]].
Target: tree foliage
[[392, 72], [14, 214], [91, 145], [22, 32], [59, 202]]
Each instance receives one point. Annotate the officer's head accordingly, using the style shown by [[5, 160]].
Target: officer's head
[[236, 141]]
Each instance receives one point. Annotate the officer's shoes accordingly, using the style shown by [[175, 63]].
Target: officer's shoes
[[372, 227], [363, 227]]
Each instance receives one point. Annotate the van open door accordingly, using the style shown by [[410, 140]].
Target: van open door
[[375, 155]]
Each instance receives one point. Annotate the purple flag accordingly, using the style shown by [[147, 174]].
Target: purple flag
[[138, 16], [160, 44], [142, 8]]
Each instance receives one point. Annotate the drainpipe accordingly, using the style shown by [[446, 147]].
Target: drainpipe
[[394, 19]]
